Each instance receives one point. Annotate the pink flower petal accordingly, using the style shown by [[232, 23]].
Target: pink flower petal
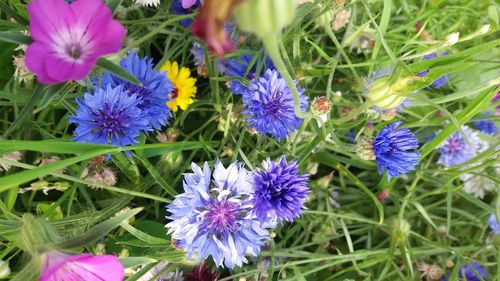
[[47, 17], [36, 55], [58, 266], [186, 4], [69, 38]]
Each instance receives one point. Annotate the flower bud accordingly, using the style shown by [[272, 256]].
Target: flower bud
[[452, 38], [384, 94], [400, 231], [321, 106], [324, 182], [364, 149], [265, 17], [4, 269], [388, 114]]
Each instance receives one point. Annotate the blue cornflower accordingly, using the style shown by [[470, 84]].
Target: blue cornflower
[[467, 273], [213, 217], [177, 9], [198, 52], [279, 190], [494, 224], [394, 150], [153, 93], [487, 127], [455, 150], [443, 79], [239, 67], [108, 116], [270, 108]]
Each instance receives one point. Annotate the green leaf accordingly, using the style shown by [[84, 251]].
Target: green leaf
[[15, 38], [99, 230], [9, 11], [117, 70]]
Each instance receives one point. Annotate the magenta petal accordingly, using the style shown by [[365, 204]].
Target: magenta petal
[[58, 266], [47, 17], [186, 4], [36, 54], [69, 38], [61, 70]]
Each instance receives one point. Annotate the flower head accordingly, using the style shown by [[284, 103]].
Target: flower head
[[279, 190], [209, 25], [245, 67], [148, 3], [184, 85], [13, 156], [151, 94], [384, 94], [270, 106], [487, 127], [202, 272], [492, 220], [109, 116], [443, 79], [213, 217], [185, 7], [479, 184], [57, 266], [468, 272], [158, 271], [69, 38], [395, 150], [455, 150]]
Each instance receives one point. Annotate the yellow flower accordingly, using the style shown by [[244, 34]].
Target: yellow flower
[[184, 85]]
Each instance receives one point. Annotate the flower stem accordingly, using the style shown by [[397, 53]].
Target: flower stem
[[271, 43]]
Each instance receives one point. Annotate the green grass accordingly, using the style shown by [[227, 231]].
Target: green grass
[[355, 242]]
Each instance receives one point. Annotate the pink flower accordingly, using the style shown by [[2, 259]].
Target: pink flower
[[186, 4], [209, 25], [69, 38], [57, 266]]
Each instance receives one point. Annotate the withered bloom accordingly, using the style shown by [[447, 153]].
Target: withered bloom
[[202, 272], [209, 25]]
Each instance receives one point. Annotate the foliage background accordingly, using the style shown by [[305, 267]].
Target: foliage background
[[353, 242]]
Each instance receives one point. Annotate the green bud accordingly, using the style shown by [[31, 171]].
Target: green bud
[[385, 95], [364, 149], [265, 17], [4, 269], [400, 231]]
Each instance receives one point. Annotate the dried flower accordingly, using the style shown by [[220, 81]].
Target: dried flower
[[341, 19], [13, 156]]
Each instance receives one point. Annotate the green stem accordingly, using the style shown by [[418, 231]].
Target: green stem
[[271, 43]]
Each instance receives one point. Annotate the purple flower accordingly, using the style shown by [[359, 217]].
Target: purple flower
[[153, 93], [108, 116], [245, 67], [279, 190], [270, 106], [394, 150], [455, 150], [487, 127], [443, 79], [57, 266], [494, 224], [185, 7], [466, 272], [213, 217], [69, 38]]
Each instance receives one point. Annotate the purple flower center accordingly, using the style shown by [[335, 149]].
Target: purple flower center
[[454, 145], [222, 216], [74, 51], [274, 106], [110, 121]]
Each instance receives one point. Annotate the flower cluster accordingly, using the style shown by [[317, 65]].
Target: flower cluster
[[227, 213]]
